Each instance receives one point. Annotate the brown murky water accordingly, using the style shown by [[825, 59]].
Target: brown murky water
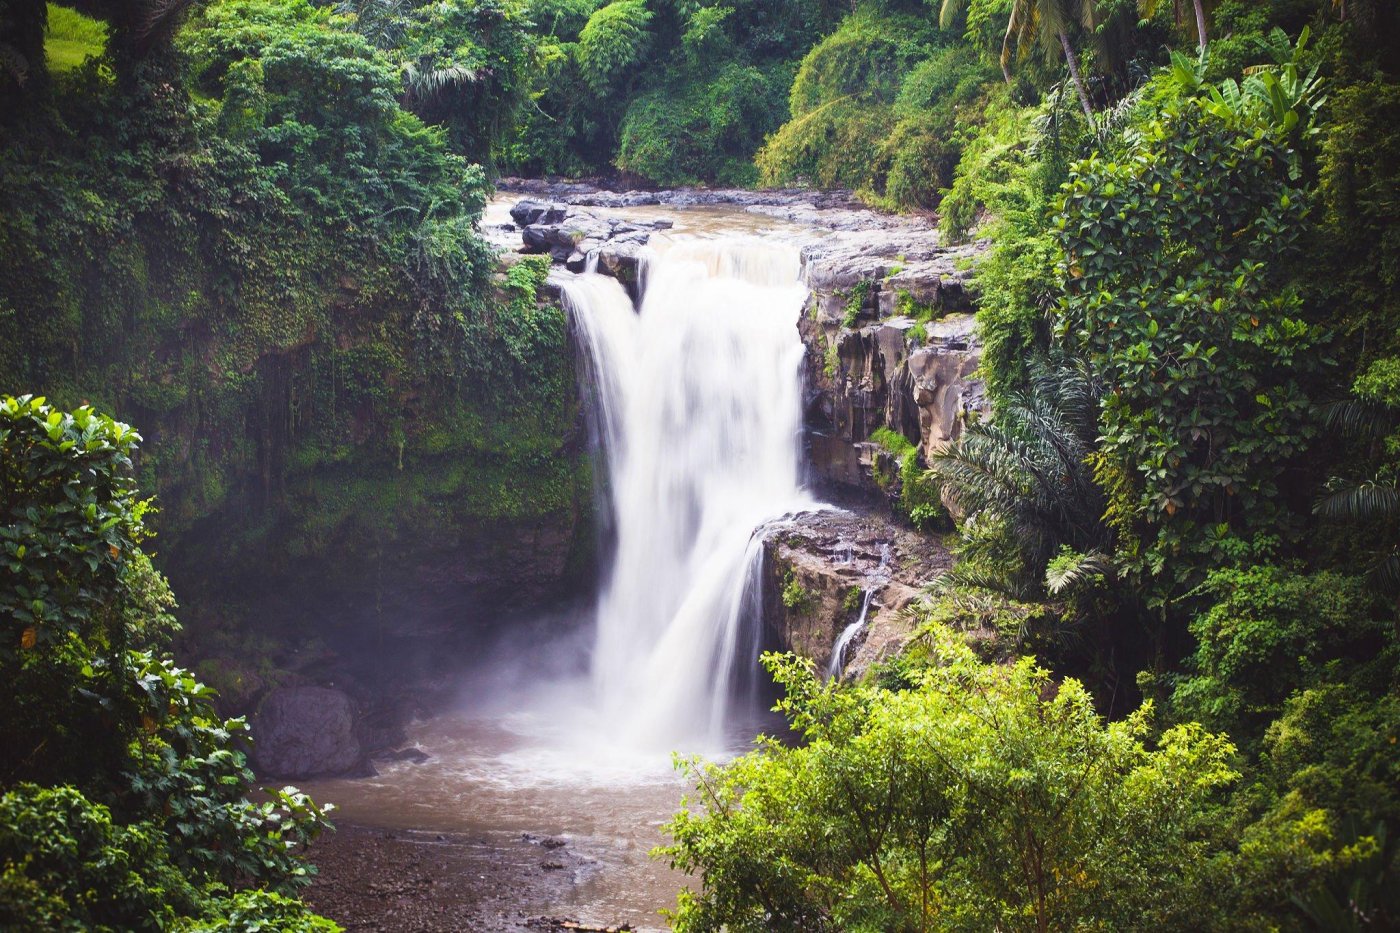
[[511, 763]]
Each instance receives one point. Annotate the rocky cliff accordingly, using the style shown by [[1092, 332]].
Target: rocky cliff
[[827, 570], [889, 324]]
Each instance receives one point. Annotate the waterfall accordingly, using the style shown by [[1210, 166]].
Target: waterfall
[[698, 395], [874, 581], [848, 634]]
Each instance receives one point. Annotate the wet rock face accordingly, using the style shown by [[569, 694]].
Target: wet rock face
[[817, 568], [528, 212], [569, 234], [301, 732]]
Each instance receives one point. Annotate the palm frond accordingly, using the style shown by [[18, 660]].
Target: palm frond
[[1028, 468], [1359, 419], [426, 83], [1071, 570], [949, 12], [1364, 501]]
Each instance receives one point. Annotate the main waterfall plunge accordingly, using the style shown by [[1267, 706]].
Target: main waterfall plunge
[[698, 403], [698, 398]]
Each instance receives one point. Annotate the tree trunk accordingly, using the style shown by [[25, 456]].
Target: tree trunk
[[1073, 63], [1200, 22]]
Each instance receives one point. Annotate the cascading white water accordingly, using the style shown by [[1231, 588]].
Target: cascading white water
[[842, 648], [843, 641], [699, 398]]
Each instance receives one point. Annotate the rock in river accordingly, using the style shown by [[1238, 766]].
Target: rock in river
[[304, 731]]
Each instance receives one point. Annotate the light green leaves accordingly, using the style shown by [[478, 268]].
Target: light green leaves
[[615, 38]]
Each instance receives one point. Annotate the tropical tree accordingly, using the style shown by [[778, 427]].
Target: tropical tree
[[1028, 469], [614, 39], [467, 66], [1149, 9], [1048, 22], [1371, 498], [123, 798], [984, 797], [1179, 289]]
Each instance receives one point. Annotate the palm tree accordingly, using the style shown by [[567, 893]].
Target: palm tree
[[1029, 467], [1374, 500], [1048, 21], [1149, 9], [382, 22]]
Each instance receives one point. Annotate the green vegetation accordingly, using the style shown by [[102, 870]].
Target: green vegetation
[[979, 795], [856, 301], [70, 38], [920, 500], [274, 266], [251, 227], [795, 595], [124, 799], [1185, 500]]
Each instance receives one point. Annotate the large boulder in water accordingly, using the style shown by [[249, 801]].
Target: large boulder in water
[[528, 212], [305, 731]]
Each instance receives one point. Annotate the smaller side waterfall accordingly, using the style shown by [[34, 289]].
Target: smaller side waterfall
[[848, 634], [846, 639]]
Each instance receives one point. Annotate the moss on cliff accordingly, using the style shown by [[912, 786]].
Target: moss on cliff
[[297, 310]]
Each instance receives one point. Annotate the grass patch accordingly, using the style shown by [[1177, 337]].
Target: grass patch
[[71, 38]]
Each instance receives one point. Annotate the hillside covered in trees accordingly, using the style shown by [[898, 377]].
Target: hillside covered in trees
[[1159, 687]]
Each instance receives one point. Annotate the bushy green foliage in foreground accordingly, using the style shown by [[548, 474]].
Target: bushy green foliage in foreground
[[123, 797], [980, 796]]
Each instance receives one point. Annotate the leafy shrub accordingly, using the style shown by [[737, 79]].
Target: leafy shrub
[[980, 795], [923, 154], [469, 64], [68, 865], [920, 499], [795, 595], [701, 130], [842, 105], [1027, 473], [865, 59], [145, 815], [1176, 268], [1269, 632], [614, 39]]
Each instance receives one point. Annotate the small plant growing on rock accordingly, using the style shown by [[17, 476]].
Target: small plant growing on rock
[[795, 595], [906, 305], [855, 302], [920, 499], [832, 364]]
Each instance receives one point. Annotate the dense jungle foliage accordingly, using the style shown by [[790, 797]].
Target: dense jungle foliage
[[250, 227], [1185, 502], [233, 231], [125, 797]]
